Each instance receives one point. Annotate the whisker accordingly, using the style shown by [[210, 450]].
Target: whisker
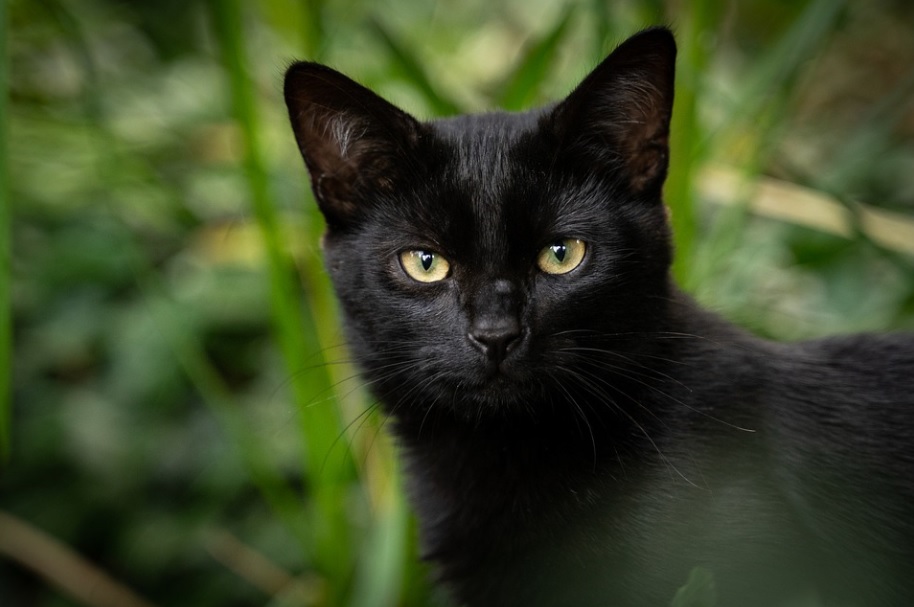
[[650, 373], [583, 416], [631, 418]]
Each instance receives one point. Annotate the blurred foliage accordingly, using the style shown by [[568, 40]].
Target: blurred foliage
[[5, 274], [183, 414]]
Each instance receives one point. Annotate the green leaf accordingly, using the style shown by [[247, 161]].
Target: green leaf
[[698, 591], [523, 86]]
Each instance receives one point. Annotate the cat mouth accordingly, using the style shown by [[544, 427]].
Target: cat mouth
[[502, 377], [498, 370], [495, 371]]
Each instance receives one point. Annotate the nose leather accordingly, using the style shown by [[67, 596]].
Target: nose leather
[[495, 325], [495, 341]]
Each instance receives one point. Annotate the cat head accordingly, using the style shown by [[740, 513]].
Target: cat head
[[484, 261]]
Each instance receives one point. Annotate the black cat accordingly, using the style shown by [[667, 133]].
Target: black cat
[[576, 430]]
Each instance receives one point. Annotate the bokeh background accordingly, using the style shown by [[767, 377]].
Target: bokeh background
[[181, 425]]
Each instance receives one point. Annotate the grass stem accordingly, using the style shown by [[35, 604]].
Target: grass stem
[[6, 277], [326, 466]]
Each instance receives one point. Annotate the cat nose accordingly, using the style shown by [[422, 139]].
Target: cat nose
[[495, 340], [495, 325]]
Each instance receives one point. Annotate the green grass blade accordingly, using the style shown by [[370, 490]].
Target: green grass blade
[[522, 88], [315, 36], [602, 31], [303, 22], [679, 188], [698, 591], [765, 100], [285, 502], [778, 68], [864, 148], [6, 278], [327, 463], [189, 352], [405, 62], [381, 576]]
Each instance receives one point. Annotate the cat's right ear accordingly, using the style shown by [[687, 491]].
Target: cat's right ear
[[352, 140]]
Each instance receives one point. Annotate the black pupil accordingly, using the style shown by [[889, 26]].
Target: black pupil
[[559, 250], [426, 259]]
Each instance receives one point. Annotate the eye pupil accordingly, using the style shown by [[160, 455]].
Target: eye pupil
[[426, 259], [559, 250]]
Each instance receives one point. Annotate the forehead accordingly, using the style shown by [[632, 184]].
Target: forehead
[[482, 148], [479, 181], [489, 197], [487, 194], [487, 151]]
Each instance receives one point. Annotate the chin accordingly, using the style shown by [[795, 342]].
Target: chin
[[506, 392]]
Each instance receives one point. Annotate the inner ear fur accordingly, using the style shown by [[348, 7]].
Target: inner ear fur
[[350, 138], [620, 114]]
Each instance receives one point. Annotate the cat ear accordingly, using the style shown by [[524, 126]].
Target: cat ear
[[352, 140], [620, 114]]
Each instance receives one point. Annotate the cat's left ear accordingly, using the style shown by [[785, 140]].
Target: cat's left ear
[[619, 116]]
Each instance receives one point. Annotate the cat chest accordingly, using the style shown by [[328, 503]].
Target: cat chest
[[585, 541]]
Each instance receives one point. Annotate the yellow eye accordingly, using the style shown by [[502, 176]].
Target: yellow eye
[[561, 256], [424, 266]]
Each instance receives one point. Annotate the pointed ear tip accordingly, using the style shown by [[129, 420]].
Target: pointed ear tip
[[302, 73], [661, 36], [293, 75], [299, 69], [657, 31]]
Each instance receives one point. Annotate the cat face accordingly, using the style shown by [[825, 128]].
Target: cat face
[[482, 261]]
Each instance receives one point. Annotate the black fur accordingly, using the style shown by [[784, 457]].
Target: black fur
[[620, 436]]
